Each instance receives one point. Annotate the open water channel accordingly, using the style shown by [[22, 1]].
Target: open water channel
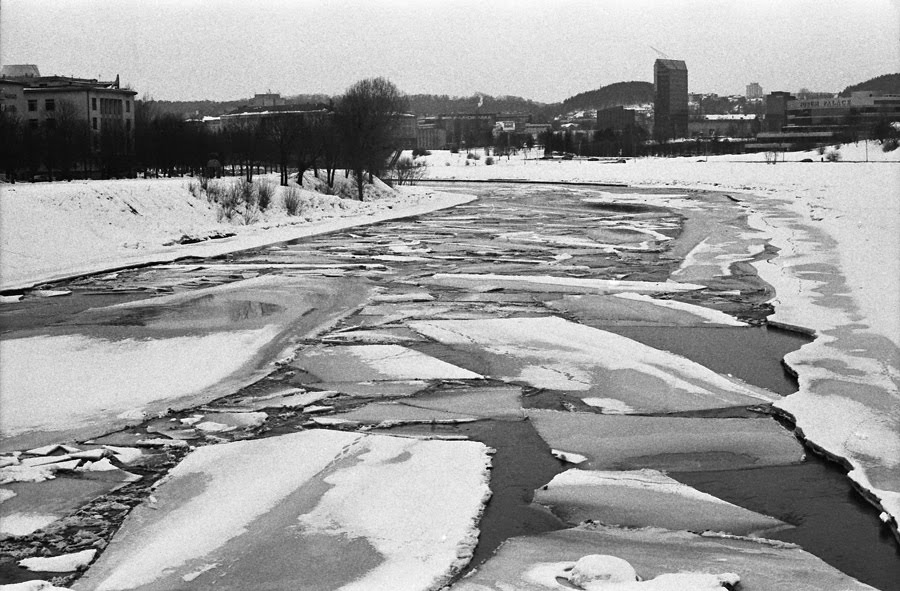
[[393, 282]]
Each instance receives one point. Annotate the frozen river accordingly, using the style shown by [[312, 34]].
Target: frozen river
[[605, 352]]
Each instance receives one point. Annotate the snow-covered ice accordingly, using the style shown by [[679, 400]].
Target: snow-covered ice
[[622, 442], [59, 564], [664, 560], [557, 284], [285, 512], [362, 363], [642, 498], [553, 353]]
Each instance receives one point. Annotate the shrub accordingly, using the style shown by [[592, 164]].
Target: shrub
[[834, 156], [489, 160], [421, 152], [194, 188], [214, 192], [890, 144], [821, 150], [454, 150], [204, 183], [265, 190], [408, 172], [247, 192], [292, 200]]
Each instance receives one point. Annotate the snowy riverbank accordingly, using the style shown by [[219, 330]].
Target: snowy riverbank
[[56, 230]]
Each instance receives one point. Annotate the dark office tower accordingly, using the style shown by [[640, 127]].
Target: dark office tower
[[670, 81]]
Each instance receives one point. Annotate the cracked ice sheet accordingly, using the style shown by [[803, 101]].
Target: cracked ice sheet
[[531, 563], [621, 442], [73, 384], [707, 261], [542, 283], [38, 504], [285, 513], [363, 363], [644, 498], [556, 354]]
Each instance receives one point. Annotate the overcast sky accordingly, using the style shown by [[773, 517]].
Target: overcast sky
[[544, 50]]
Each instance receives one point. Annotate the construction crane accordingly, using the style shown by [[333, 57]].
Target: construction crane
[[661, 54]]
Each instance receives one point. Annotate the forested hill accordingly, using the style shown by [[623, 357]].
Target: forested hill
[[617, 94], [435, 104], [888, 83]]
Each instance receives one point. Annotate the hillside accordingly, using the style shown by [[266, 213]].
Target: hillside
[[619, 93], [888, 83], [434, 104]]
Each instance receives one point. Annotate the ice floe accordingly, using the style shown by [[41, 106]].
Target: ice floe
[[74, 382], [553, 353], [664, 560], [557, 284], [642, 498], [622, 442], [361, 363], [285, 513], [59, 564]]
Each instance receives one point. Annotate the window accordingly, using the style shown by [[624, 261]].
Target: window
[[128, 106], [32, 104], [49, 104], [93, 103], [94, 123]]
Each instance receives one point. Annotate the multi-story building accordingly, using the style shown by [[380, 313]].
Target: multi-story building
[[615, 118], [857, 113], [754, 91], [776, 111], [105, 107], [732, 125], [430, 137], [670, 83]]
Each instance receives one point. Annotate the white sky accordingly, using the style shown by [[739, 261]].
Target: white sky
[[538, 49]]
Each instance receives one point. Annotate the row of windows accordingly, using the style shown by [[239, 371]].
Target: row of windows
[[107, 106]]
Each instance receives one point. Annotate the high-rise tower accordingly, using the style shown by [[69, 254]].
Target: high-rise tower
[[670, 82]]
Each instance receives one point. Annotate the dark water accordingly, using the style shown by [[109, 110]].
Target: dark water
[[832, 520], [752, 354]]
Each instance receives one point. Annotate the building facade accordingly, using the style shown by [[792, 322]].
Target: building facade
[[670, 83], [615, 118], [754, 91], [104, 107]]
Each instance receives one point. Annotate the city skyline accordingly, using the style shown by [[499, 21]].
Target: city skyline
[[221, 50]]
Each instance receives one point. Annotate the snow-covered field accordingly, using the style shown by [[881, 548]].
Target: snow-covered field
[[837, 225]]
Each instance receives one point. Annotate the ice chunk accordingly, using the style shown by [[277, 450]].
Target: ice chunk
[[665, 560], [59, 564], [382, 413], [553, 353], [285, 513], [33, 586], [642, 498], [361, 363], [601, 568], [557, 284], [620, 442]]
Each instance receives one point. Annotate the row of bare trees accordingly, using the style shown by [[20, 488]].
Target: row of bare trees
[[357, 133]]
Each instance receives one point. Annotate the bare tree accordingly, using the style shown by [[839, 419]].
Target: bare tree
[[367, 116], [284, 130]]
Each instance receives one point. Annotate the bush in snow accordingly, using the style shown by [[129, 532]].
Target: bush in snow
[[889, 145], [292, 200], [408, 171], [248, 194], [265, 190], [194, 188], [204, 183], [213, 192], [489, 160], [834, 156]]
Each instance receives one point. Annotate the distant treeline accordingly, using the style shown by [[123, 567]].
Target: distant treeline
[[888, 83]]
